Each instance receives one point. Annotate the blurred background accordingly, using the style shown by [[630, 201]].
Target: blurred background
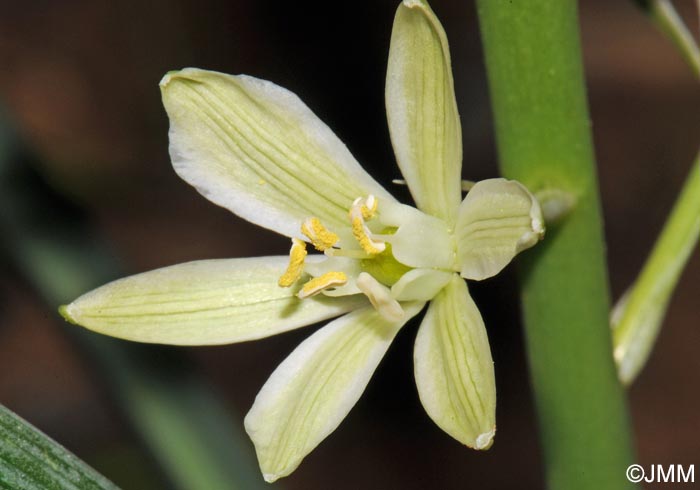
[[79, 87]]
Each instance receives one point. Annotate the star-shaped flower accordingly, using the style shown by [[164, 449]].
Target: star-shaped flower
[[257, 150]]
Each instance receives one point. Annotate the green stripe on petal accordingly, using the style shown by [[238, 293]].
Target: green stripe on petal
[[498, 219], [454, 369], [255, 148], [422, 111], [202, 303], [312, 391]]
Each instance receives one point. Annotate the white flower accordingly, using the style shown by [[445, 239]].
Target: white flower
[[257, 150]]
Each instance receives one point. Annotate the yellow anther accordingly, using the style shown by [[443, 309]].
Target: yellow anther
[[320, 237], [324, 281], [361, 234], [368, 206], [297, 254]]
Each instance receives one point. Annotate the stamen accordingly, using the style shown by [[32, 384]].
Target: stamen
[[325, 281], [297, 254], [350, 254], [320, 237], [380, 297], [368, 206], [361, 232]]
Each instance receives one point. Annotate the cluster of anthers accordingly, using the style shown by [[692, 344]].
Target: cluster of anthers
[[342, 272]]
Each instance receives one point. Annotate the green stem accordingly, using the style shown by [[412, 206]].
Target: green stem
[[641, 312], [664, 15], [533, 58]]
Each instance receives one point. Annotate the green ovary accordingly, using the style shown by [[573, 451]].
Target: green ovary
[[384, 267]]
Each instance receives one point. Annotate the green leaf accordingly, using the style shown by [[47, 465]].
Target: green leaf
[[30, 460]]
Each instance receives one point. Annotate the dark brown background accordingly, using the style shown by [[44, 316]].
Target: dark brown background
[[80, 78]]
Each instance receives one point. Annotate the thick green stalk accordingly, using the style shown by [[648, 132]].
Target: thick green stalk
[[533, 59]]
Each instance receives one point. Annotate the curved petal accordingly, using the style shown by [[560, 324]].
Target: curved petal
[[312, 391], [420, 284], [422, 110], [498, 219], [255, 148], [204, 302], [420, 240], [454, 369]]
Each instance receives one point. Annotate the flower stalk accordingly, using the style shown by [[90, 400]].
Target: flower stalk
[[664, 15], [533, 59], [637, 318]]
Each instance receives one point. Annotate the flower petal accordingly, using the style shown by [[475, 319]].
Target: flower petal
[[498, 219], [255, 148], [203, 302], [422, 110], [312, 391], [453, 367], [420, 284], [420, 240]]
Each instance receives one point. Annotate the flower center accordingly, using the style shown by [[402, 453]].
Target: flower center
[[360, 263], [384, 267]]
